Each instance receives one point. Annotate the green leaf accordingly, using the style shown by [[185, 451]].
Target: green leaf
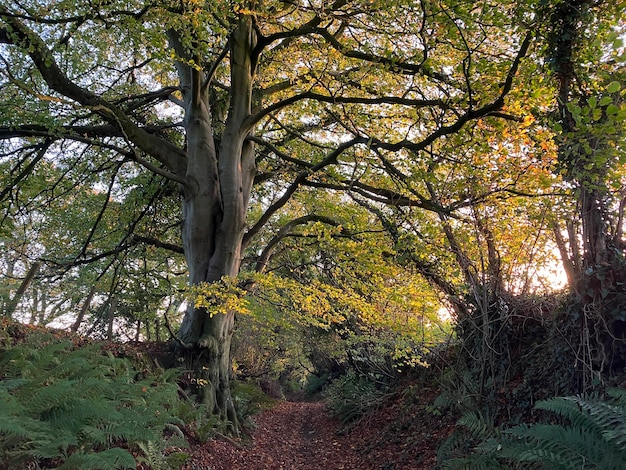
[[605, 100], [614, 87], [612, 109]]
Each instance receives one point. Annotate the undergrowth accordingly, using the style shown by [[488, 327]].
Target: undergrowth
[[588, 433], [69, 403], [79, 408], [351, 396]]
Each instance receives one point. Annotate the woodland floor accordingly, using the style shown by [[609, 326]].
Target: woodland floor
[[298, 435], [402, 433]]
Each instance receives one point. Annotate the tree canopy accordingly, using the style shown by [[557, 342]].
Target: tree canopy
[[355, 163]]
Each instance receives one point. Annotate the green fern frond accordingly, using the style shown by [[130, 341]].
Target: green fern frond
[[567, 408], [593, 437], [585, 413], [52, 396], [95, 435], [110, 459], [564, 447], [65, 404], [457, 452], [474, 462], [22, 429], [610, 418], [605, 419], [12, 384], [10, 405], [618, 395], [153, 455], [478, 426]]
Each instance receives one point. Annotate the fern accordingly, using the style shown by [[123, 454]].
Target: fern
[[592, 438], [156, 458], [478, 425], [591, 435], [618, 395], [110, 459], [456, 452], [157, 454], [76, 407], [153, 456]]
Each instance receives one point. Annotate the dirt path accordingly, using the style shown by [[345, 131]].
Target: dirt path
[[290, 436], [301, 435]]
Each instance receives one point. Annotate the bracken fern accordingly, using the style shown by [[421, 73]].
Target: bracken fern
[[73, 408], [591, 434], [592, 437]]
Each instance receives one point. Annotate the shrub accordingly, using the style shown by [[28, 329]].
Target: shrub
[[316, 383], [349, 397]]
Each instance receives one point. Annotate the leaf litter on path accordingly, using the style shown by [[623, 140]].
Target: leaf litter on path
[[301, 435]]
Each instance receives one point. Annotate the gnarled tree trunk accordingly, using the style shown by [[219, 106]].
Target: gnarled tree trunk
[[215, 202]]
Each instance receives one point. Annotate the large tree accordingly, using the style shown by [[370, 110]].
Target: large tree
[[239, 102]]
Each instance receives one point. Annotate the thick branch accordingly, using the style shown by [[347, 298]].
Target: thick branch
[[344, 100], [428, 270], [382, 195], [331, 159], [26, 171], [390, 63], [74, 132], [569, 262], [20, 35], [158, 244], [30, 275], [86, 134]]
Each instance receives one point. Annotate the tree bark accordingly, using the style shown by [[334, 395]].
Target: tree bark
[[13, 303], [600, 268], [568, 260], [215, 179], [84, 309], [219, 182]]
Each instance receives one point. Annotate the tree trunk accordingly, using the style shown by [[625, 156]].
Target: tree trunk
[[599, 276], [13, 303], [34, 307], [215, 203], [111, 317], [84, 309], [569, 261]]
